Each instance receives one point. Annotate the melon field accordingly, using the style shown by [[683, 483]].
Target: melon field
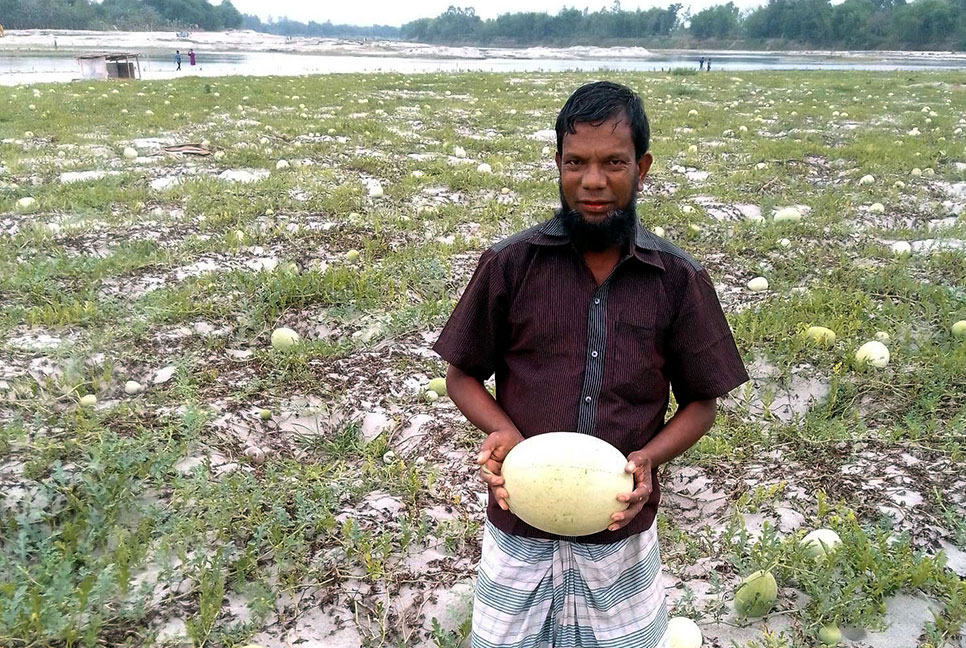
[[168, 478]]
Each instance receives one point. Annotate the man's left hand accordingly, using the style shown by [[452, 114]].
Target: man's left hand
[[639, 464]]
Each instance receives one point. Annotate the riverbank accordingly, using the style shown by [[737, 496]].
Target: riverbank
[[39, 41], [31, 57]]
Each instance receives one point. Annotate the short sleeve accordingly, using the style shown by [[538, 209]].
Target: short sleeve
[[702, 359], [473, 338]]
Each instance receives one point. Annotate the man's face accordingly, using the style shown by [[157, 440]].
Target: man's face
[[599, 176]]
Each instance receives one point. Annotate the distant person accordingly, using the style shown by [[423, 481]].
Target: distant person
[[191, 57], [177, 59], [701, 63], [708, 65], [55, 42]]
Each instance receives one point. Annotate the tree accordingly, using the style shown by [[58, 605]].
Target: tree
[[809, 21], [456, 24], [720, 21], [230, 17], [925, 22], [850, 23]]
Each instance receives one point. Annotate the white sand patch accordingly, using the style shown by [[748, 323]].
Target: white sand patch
[[750, 212], [262, 264], [173, 630], [802, 209], [84, 176], [375, 424], [722, 212], [795, 400], [153, 144], [904, 498], [692, 174], [935, 245], [334, 627], [931, 245], [164, 375], [787, 399], [196, 269], [219, 463], [24, 498], [905, 616], [955, 558], [238, 607], [440, 513], [789, 519], [954, 208], [35, 342], [383, 503], [412, 436], [41, 369], [451, 606], [131, 288], [732, 631], [693, 498], [955, 189], [165, 182], [943, 223], [243, 175], [422, 559]]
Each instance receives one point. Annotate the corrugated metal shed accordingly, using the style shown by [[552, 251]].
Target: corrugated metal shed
[[113, 65]]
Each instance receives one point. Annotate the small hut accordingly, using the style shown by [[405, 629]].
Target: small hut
[[110, 66]]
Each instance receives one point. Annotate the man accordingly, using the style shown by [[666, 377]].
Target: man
[[177, 59], [586, 320]]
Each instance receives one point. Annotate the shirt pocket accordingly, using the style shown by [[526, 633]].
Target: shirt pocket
[[634, 368]]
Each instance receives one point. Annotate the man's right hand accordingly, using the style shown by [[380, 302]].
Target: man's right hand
[[495, 449]]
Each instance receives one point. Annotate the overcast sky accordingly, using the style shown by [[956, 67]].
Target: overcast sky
[[397, 12]]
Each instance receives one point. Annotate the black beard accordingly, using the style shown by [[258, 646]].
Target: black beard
[[618, 228]]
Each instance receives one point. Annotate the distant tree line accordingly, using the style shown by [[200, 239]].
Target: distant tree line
[[463, 25], [852, 24], [286, 27], [141, 15], [133, 15]]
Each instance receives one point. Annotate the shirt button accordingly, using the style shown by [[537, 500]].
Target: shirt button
[[593, 354], [597, 301], [588, 399]]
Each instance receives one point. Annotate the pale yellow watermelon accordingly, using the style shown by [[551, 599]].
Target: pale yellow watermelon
[[566, 483]]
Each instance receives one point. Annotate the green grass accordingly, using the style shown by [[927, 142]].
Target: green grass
[[132, 279]]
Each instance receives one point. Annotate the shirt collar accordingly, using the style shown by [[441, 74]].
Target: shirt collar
[[645, 248]]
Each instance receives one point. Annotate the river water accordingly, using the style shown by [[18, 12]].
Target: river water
[[61, 66]]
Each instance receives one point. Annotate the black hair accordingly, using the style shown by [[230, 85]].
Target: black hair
[[595, 103]]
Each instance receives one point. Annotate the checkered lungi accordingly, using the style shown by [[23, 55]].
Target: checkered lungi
[[537, 593]]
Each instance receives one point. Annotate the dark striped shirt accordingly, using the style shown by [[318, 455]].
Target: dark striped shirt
[[570, 355]]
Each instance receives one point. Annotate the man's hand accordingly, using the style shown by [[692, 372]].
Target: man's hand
[[638, 463], [495, 449]]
